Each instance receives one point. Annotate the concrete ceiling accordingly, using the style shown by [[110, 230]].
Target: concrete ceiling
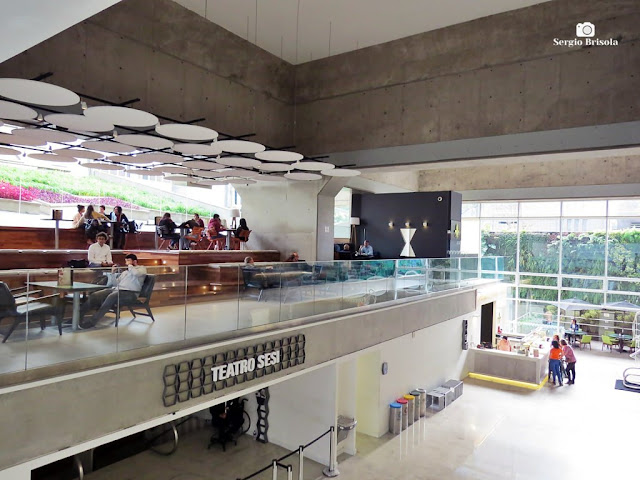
[[330, 27], [25, 23]]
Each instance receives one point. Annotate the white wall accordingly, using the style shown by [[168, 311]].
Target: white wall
[[368, 392], [347, 374], [21, 472], [302, 408], [427, 358]]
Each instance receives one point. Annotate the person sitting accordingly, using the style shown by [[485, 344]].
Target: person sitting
[[241, 234], [120, 286], [214, 231], [197, 221], [346, 247], [120, 220], [504, 344], [185, 232], [103, 211], [365, 250], [94, 222], [78, 218], [99, 254], [249, 263], [294, 257], [170, 230]]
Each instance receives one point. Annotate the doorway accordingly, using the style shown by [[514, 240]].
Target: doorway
[[486, 323]]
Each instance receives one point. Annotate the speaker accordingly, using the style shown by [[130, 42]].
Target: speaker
[[465, 333]]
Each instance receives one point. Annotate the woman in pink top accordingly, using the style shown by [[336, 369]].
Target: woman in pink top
[[567, 351]]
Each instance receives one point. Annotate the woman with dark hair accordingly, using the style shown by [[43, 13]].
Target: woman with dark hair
[[94, 223], [214, 231], [121, 222], [167, 230], [555, 357], [241, 234]]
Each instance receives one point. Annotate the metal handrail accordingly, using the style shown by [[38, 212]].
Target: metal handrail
[[277, 462], [175, 439], [78, 464]]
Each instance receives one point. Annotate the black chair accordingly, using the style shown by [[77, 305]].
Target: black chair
[[8, 308], [252, 279], [142, 302], [163, 234], [230, 422]]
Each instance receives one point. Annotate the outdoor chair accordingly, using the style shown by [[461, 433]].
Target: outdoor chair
[[607, 342], [239, 243], [163, 234], [254, 278], [8, 308], [585, 340], [141, 302]]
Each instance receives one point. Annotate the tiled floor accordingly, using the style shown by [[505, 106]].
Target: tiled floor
[[584, 431]]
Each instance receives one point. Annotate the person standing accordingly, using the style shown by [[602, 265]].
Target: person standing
[[570, 356], [555, 354], [99, 253], [119, 221]]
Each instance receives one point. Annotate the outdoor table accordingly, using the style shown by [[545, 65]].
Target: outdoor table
[[577, 334], [621, 339], [76, 289]]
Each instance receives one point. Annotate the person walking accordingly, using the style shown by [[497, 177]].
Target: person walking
[[570, 356]]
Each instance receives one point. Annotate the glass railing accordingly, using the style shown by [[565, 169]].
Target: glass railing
[[46, 318]]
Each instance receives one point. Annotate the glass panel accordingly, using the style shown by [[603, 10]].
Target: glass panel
[[443, 274], [631, 286], [583, 246], [539, 245], [624, 247], [582, 283], [211, 297], [470, 209], [540, 209], [595, 298], [528, 280], [411, 278], [80, 297], [538, 293], [494, 209], [620, 208], [470, 241], [15, 290], [535, 315], [584, 208], [500, 238]]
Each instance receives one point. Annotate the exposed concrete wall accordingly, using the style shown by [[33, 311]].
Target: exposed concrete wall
[[593, 171], [71, 411], [492, 76], [283, 216], [179, 64]]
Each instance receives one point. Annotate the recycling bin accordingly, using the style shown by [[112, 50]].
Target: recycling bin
[[405, 411], [417, 405], [395, 418], [411, 408]]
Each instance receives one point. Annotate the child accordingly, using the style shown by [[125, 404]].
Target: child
[[567, 351], [554, 362]]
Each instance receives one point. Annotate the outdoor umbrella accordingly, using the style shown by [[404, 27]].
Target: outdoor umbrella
[[575, 305], [624, 306]]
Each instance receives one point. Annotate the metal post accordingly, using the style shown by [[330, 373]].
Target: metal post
[[332, 469], [274, 473], [289, 472], [57, 235], [300, 462]]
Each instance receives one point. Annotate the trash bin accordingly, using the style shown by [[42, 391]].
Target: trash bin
[[411, 409], [417, 403], [448, 393], [345, 425], [435, 400], [405, 411], [423, 401], [395, 418]]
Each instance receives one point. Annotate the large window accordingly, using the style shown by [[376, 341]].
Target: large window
[[556, 250], [342, 214]]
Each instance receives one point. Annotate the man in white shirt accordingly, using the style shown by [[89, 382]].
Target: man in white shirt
[[366, 250], [122, 287], [99, 253]]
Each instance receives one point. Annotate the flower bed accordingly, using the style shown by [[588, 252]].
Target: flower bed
[[30, 194]]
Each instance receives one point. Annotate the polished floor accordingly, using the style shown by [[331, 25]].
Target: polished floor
[[584, 431]]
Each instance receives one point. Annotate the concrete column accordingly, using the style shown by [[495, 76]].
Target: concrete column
[[326, 208], [283, 217]]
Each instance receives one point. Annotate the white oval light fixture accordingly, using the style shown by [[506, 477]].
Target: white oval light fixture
[[45, 135], [279, 156], [199, 149], [302, 176], [79, 123], [37, 93], [102, 166], [240, 146], [123, 116], [51, 157], [109, 147], [239, 162], [190, 133], [9, 152], [11, 139], [143, 171], [313, 166], [77, 153], [15, 111], [201, 164], [340, 172], [275, 167], [144, 141]]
